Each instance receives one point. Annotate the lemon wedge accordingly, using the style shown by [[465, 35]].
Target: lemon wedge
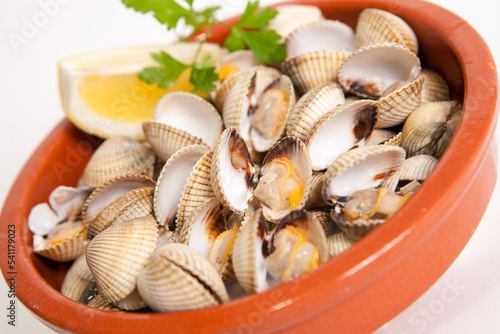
[[102, 95]]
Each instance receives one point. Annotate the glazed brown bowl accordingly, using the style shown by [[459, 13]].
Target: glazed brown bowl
[[355, 292]]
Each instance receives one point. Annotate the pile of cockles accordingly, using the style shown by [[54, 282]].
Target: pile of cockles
[[281, 169]]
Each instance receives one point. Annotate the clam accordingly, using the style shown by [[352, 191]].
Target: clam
[[117, 255], [232, 172], [234, 62], [378, 26], [298, 245], [429, 129], [311, 107], [102, 304], [172, 180], [110, 191], [315, 53], [219, 254], [366, 209], [434, 88], [292, 17], [343, 128], [339, 243], [416, 168], [77, 279], [117, 156], [258, 106], [315, 198], [178, 278], [284, 180], [379, 136], [359, 169]]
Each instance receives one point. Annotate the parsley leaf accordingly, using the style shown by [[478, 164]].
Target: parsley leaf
[[203, 78], [166, 12], [258, 20], [263, 43], [166, 75]]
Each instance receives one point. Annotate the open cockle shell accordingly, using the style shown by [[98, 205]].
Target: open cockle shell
[[284, 180], [134, 204], [172, 180], [192, 114], [312, 106], [247, 257], [360, 168], [109, 191], [167, 140], [339, 243], [434, 88], [292, 17], [197, 190], [418, 168], [342, 128], [377, 70], [67, 202], [178, 278], [378, 26], [117, 255], [297, 245], [202, 227], [379, 136], [234, 62], [258, 105], [117, 156], [232, 171], [77, 279], [429, 129], [220, 253], [315, 198]]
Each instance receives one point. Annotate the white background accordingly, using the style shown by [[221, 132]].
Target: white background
[[30, 108]]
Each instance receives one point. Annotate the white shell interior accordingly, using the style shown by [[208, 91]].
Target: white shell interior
[[325, 35], [171, 182], [68, 201], [334, 138], [42, 219], [200, 239], [384, 64], [191, 113], [242, 59], [260, 267], [362, 175]]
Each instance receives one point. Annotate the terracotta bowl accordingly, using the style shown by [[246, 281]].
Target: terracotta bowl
[[356, 292]]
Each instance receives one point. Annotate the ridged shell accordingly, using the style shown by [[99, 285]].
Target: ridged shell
[[232, 186], [361, 168], [313, 69], [357, 229], [117, 255], [178, 278], [197, 190], [223, 88], [418, 168], [395, 140], [77, 279], [202, 227], [342, 128], [378, 26], [311, 107], [339, 243], [132, 302], [66, 250], [233, 219], [247, 258], [293, 151], [315, 199], [434, 88], [326, 221], [429, 129], [379, 69], [109, 191], [171, 182], [292, 17], [167, 140], [102, 304], [379, 136], [117, 156], [394, 109], [134, 204]]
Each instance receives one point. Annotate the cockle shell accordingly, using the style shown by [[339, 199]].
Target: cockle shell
[[360, 168], [434, 88], [339, 243], [418, 167], [167, 140], [111, 190], [117, 156], [342, 128], [102, 304], [378, 70], [232, 171], [379, 136], [326, 222], [311, 107], [429, 129], [315, 199], [192, 114], [284, 180], [134, 204], [172, 180], [234, 62], [220, 253], [292, 17], [77, 279], [117, 255], [378, 26], [178, 278]]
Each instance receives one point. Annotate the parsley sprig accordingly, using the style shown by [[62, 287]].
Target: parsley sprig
[[247, 32]]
